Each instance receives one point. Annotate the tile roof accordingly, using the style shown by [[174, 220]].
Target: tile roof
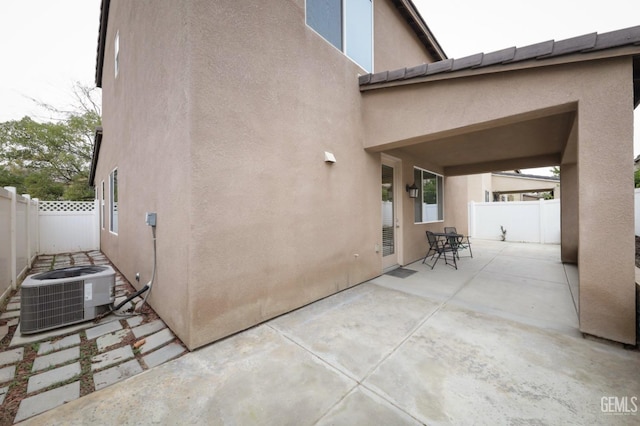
[[586, 43]]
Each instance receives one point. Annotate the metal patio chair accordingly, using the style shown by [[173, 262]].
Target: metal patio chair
[[439, 247], [463, 240]]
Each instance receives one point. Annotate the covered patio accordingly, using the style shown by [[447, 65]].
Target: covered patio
[[493, 342], [565, 103]]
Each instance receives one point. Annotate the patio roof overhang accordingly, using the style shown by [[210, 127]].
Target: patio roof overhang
[[497, 111]]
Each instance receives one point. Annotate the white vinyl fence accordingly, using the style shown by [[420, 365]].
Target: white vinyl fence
[[18, 237], [69, 226], [525, 221], [637, 210], [29, 227]]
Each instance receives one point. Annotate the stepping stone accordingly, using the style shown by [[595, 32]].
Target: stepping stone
[[102, 329], [4, 329], [56, 358], [51, 377], [47, 400], [65, 342], [135, 321], [13, 306], [107, 340], [13, 322], [12, 356], [7, 373], [156, 340], [112, 375], [3, 393], [163, 355], [10, 314], [115, 356], [148, 328]]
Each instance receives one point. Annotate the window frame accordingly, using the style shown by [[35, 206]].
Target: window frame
[[116, 54], [343, 33], [102, 206], [419, 200], [113, 195]]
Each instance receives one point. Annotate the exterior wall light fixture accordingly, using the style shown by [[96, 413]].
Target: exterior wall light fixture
[[412, 190]]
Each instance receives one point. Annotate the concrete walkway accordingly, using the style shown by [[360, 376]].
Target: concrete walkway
[[495, 342], [60, 365]]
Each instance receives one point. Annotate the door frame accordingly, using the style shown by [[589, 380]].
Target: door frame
[[398, 190]]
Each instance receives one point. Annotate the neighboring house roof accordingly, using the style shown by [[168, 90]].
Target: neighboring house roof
[[406, 8], [521, 175], [584, 44]]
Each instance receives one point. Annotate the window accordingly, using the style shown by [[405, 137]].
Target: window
[[113, 201], [102, 206], [429, 204], [116, 53], [347, 24]]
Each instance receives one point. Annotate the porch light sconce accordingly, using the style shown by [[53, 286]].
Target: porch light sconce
[[412, 190]]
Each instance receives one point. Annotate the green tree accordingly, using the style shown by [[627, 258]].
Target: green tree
[[636, 178], [51, 160]]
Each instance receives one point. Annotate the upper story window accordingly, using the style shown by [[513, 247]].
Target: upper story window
[[429, 206], [347, 24]]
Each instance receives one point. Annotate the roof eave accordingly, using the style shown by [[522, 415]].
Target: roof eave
[[102, 37], [410, 13], [375, 82]]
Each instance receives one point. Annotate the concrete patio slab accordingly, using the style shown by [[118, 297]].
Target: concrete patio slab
[[351, 331], [244, 382], [47, 400], [65, 342], [56, 358], [112, 375], [11, 356], [432, 348], [115, 356], [505, 371], [51, 377]]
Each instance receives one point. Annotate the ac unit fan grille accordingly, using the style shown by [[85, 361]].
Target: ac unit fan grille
[[48, 306]]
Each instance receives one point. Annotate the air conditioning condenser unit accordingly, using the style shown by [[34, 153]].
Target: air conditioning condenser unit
[[65, 296]]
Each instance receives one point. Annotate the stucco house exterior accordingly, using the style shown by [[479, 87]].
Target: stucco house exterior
[[512, 186], [263, 134]]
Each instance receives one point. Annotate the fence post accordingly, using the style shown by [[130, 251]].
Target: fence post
[[542, 221], [12, 214], [96, 223], [472, 219], [28, 229], [36, 232]]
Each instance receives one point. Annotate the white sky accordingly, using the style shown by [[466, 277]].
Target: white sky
[[47, 45]]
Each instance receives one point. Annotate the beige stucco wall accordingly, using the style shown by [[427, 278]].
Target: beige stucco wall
[[146, 136], [396, 44], [223, 134], [275, 227], [601, 93], [524, 184]]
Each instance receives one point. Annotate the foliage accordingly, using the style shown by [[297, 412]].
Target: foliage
[[51, 160], [555, 170], [636, 178]]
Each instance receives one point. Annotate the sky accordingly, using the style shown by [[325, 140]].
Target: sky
[[48, 45]]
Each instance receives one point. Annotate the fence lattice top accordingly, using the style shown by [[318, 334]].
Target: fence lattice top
[[67, 206]]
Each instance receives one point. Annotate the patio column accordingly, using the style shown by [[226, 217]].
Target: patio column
[[569, 226], [605, 213]]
